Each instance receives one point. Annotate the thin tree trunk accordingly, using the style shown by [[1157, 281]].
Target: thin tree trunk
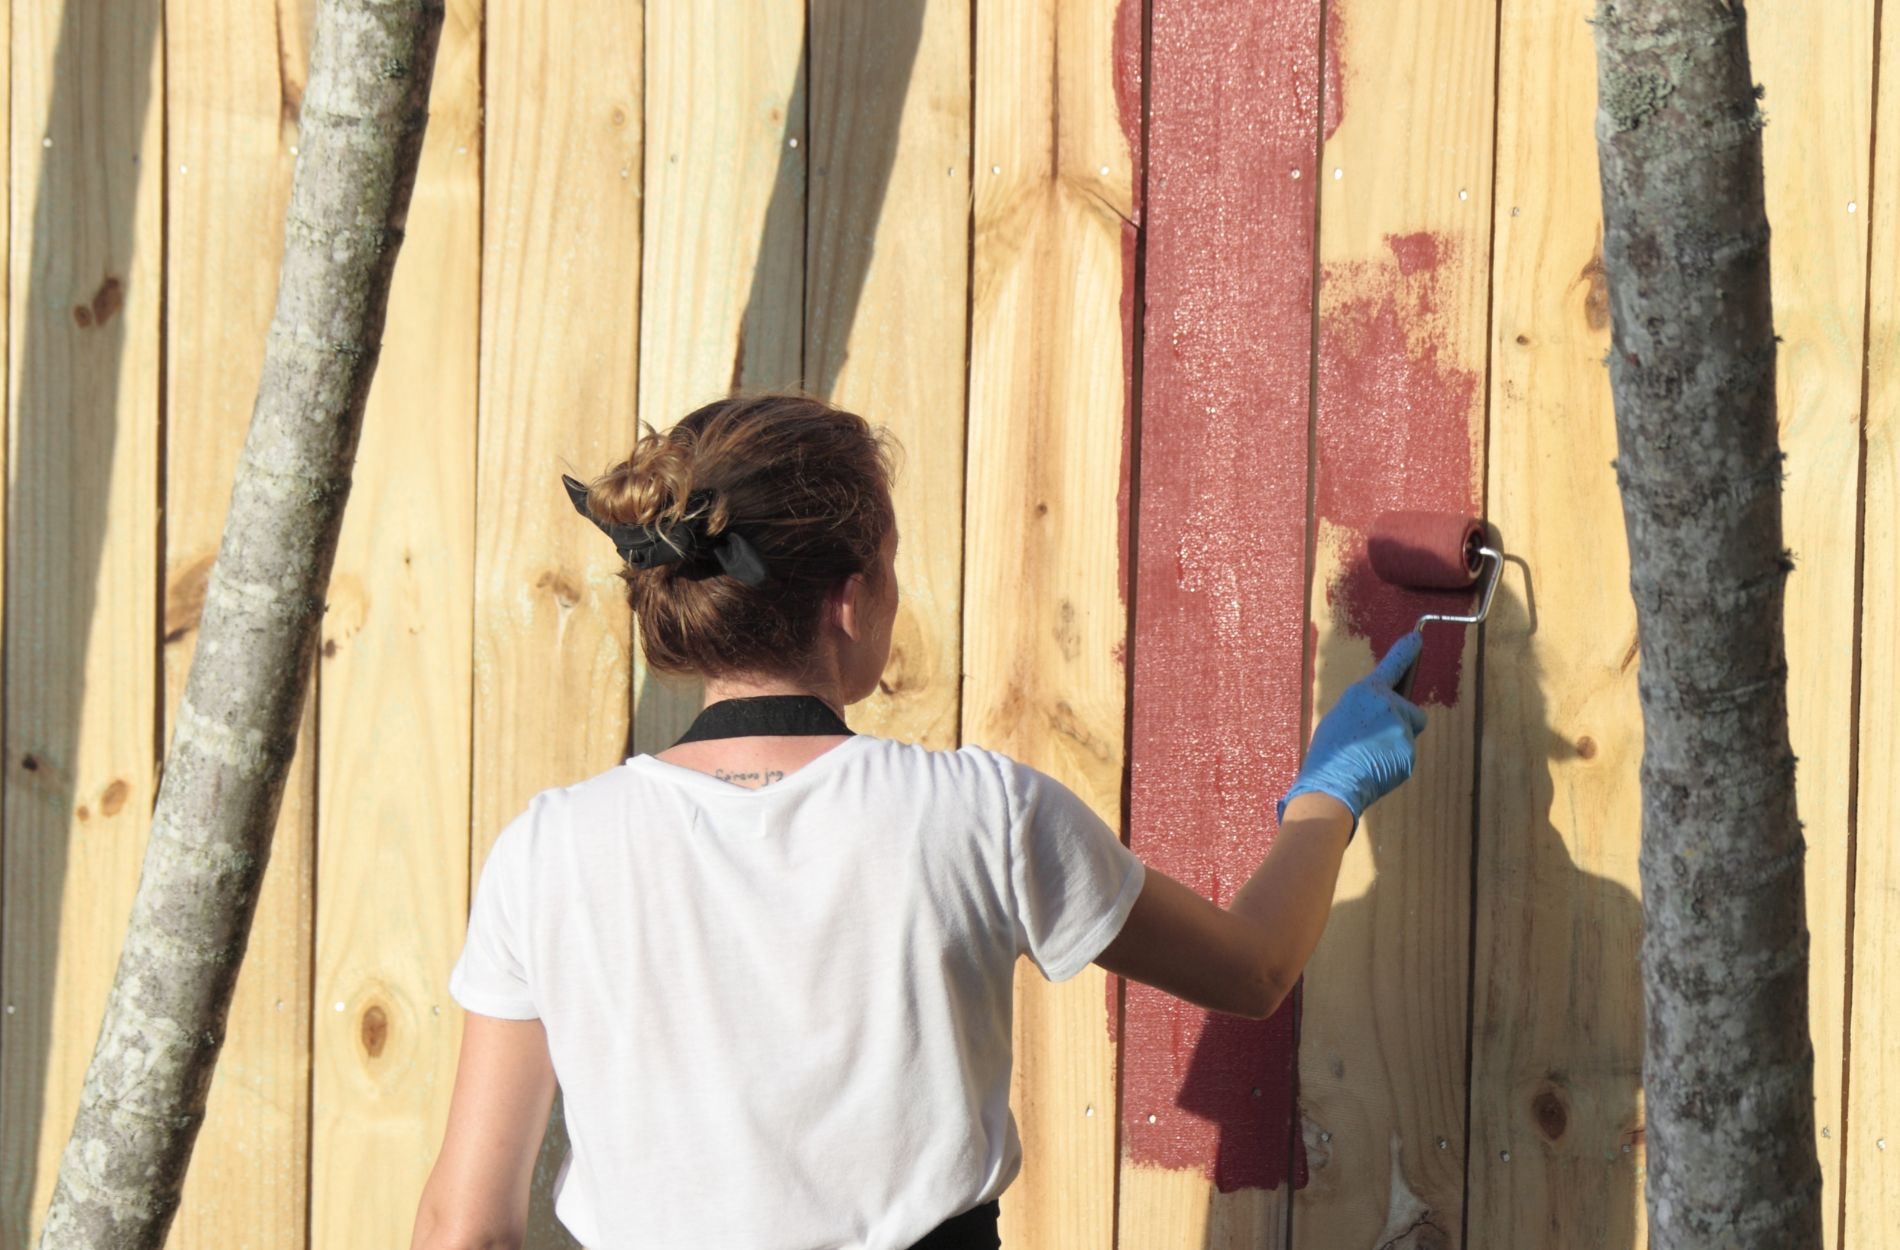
[[1729, 1070], [363, 116]]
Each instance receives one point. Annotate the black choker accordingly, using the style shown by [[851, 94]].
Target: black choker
[[765, 716]]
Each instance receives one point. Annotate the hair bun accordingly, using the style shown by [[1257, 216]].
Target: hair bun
[[653, 485]]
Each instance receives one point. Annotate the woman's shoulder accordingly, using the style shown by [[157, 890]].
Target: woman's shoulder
[[970, 764]]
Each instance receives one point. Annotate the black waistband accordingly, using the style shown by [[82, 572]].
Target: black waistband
[[765, 715], [975, 1229]]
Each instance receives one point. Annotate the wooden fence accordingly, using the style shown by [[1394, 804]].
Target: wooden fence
[[1166, 301]]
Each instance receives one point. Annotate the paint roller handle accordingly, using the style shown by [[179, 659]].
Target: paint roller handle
[[1403, 686], [1362, 749]]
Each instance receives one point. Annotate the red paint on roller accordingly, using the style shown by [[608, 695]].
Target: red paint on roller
[[1394, 433], [1219, 617], [1425, 550]]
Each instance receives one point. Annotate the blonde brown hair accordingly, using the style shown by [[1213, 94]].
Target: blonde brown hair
[[807, 484]]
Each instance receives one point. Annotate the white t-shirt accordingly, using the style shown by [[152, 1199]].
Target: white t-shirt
[[780, 1018]]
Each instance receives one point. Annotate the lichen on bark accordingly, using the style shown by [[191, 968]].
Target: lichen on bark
[[1728, 1067], [143, 1101]]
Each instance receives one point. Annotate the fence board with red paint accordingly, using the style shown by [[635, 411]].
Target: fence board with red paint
[[1167, 300]]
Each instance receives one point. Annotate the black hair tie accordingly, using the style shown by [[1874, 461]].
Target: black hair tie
[[687, 542]]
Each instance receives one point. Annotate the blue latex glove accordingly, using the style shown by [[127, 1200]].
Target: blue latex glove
[[1362, 748]]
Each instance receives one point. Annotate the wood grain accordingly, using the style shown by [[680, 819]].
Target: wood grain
[[1871, 1172], [723, 267], [393, 682], [81, 663], [1044, 623], [235, 78], [1556, 1121], [560, 333], [1404, 192], [886, 305], [1818, 78]]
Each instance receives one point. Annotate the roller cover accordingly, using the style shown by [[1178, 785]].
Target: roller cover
[[1425, 550]]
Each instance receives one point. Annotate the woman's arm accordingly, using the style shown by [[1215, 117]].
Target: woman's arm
[[477, 1196], [1245, 959]]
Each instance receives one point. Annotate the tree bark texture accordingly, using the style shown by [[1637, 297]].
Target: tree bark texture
[[1728, 1069], [362, 121]]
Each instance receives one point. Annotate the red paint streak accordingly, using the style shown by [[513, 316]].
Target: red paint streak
[[1416, 253], [1333, 98], [1215, 732], [1395, 422]]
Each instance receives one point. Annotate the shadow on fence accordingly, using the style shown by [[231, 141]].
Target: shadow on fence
[[71, 359]]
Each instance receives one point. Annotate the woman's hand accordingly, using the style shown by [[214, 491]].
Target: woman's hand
[[1362, 748]]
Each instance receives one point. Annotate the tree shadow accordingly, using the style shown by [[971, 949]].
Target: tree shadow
[[71, 354], [1541, 1131], [846, 109]]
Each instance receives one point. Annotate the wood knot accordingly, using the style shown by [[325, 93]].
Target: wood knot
[[1068, 637], [329, 648], [1596, 296], [1523, 340], [84, 813], [619, 116], [107, 300], [557, 583], [908, 666], [185, 598], [1549, 1112], [374, 1029], [1586, 747], [114, 797], [30, 762]]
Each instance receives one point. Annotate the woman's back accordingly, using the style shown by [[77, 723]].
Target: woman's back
[[828, 1063]]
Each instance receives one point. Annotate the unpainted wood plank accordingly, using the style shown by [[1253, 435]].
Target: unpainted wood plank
[[1871, 1173], [1556, 1139], [723, 268], [887, 264], [1818, 77], [1219, 621], [1404, 194], [560, 334], [393, 683], [80, 649], [235, 77], [1044, 621]]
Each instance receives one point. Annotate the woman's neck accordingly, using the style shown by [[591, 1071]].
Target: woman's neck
[[827, 691]]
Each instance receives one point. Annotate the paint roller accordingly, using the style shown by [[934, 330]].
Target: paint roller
[[1434, 551]]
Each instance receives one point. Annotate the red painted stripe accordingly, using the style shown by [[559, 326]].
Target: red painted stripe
[[1394, 433], [1219, 609]]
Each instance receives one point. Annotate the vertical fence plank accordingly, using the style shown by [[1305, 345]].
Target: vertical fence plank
[[560, 331], [1044, 620], [235, 78], [1219, 624], [1872, 1171], [82, 565], [393, 764], [723, 267], [1556, 1125], [1819, 102], [1405, 188], [887, 266]]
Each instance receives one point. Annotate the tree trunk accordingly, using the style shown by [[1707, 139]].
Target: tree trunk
[[1729, 1069], [363, 115]]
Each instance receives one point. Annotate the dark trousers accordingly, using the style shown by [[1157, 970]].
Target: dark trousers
[[975, 1229]]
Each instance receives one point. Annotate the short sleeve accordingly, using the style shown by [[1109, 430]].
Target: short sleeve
[[491, 977], [1071, 880]]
